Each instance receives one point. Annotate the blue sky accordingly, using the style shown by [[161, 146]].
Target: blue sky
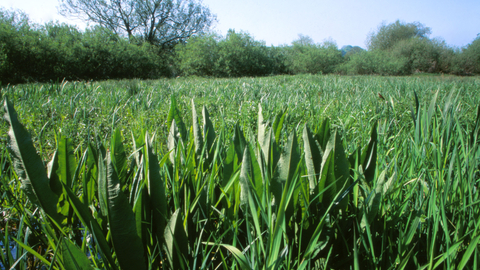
[[345, 22]]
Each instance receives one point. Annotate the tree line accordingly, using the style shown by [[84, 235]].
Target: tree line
[[54, 51]]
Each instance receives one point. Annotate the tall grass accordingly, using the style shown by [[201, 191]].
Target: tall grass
[[304, 172]]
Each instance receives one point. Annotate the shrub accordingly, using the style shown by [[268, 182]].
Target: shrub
[[306, 57]]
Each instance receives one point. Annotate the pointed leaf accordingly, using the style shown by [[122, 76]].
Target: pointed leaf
[[156, 190], [119, 156], [327, 174], [172, 141], [102, 185], [66, 161], [277, 125], [128, 246], [29, 166], [208, 134], [323, 133], [250, 178], [369, 156], [52, 168], [313, 157], [85, 216], [341, 169], [175, 114], [175, 241], [238, 255], [73, 257], [197, 135]]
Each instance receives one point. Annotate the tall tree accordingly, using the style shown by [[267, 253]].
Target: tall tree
[[159, 22], [389, 35]]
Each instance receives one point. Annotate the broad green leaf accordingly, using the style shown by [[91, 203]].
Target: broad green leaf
[[175, 114], [375, 199], [369, 156], [52, 168], [88, 180], [250, 177], [341, 169], [176, 241], [239, 141], [128, 246], [287, 166], [85, 216], [313, 158], [29, 166], [327, 174], [67, 171], [267, 154], [119, 156], [197, 135], [238, 255], [323, 133], [172, 141], [142, 214], [66, 161], [231, 163], [73, 257], [245, 175], [261, 128], [102, 184], [156, 190], [208, 134], [277, 124], [289, 160]]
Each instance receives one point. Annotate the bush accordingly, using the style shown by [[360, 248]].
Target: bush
[[374, 62], [56, 51], [306, 57], [238, 54]]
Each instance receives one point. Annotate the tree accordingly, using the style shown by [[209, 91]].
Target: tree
[[350, 50], [471, 57], [160, 22], [304, 56], [389, 35]]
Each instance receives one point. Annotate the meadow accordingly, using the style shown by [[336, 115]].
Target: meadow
[[282, 172]]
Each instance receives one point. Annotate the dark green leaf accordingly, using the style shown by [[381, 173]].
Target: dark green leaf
[[128, 246], [176, 241], [29, 166], [73, 257]]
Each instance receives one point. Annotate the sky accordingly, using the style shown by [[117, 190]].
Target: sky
[[346, 22]]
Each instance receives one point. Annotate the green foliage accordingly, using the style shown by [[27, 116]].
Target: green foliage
[[389, 35], [304, 56], [404, 49], [471, 57], [199, 56], [56, 51], [372, 181], [374, 62], [238, 54]]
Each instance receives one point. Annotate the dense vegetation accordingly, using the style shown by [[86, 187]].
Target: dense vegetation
[[285, 172], [54, 51]]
